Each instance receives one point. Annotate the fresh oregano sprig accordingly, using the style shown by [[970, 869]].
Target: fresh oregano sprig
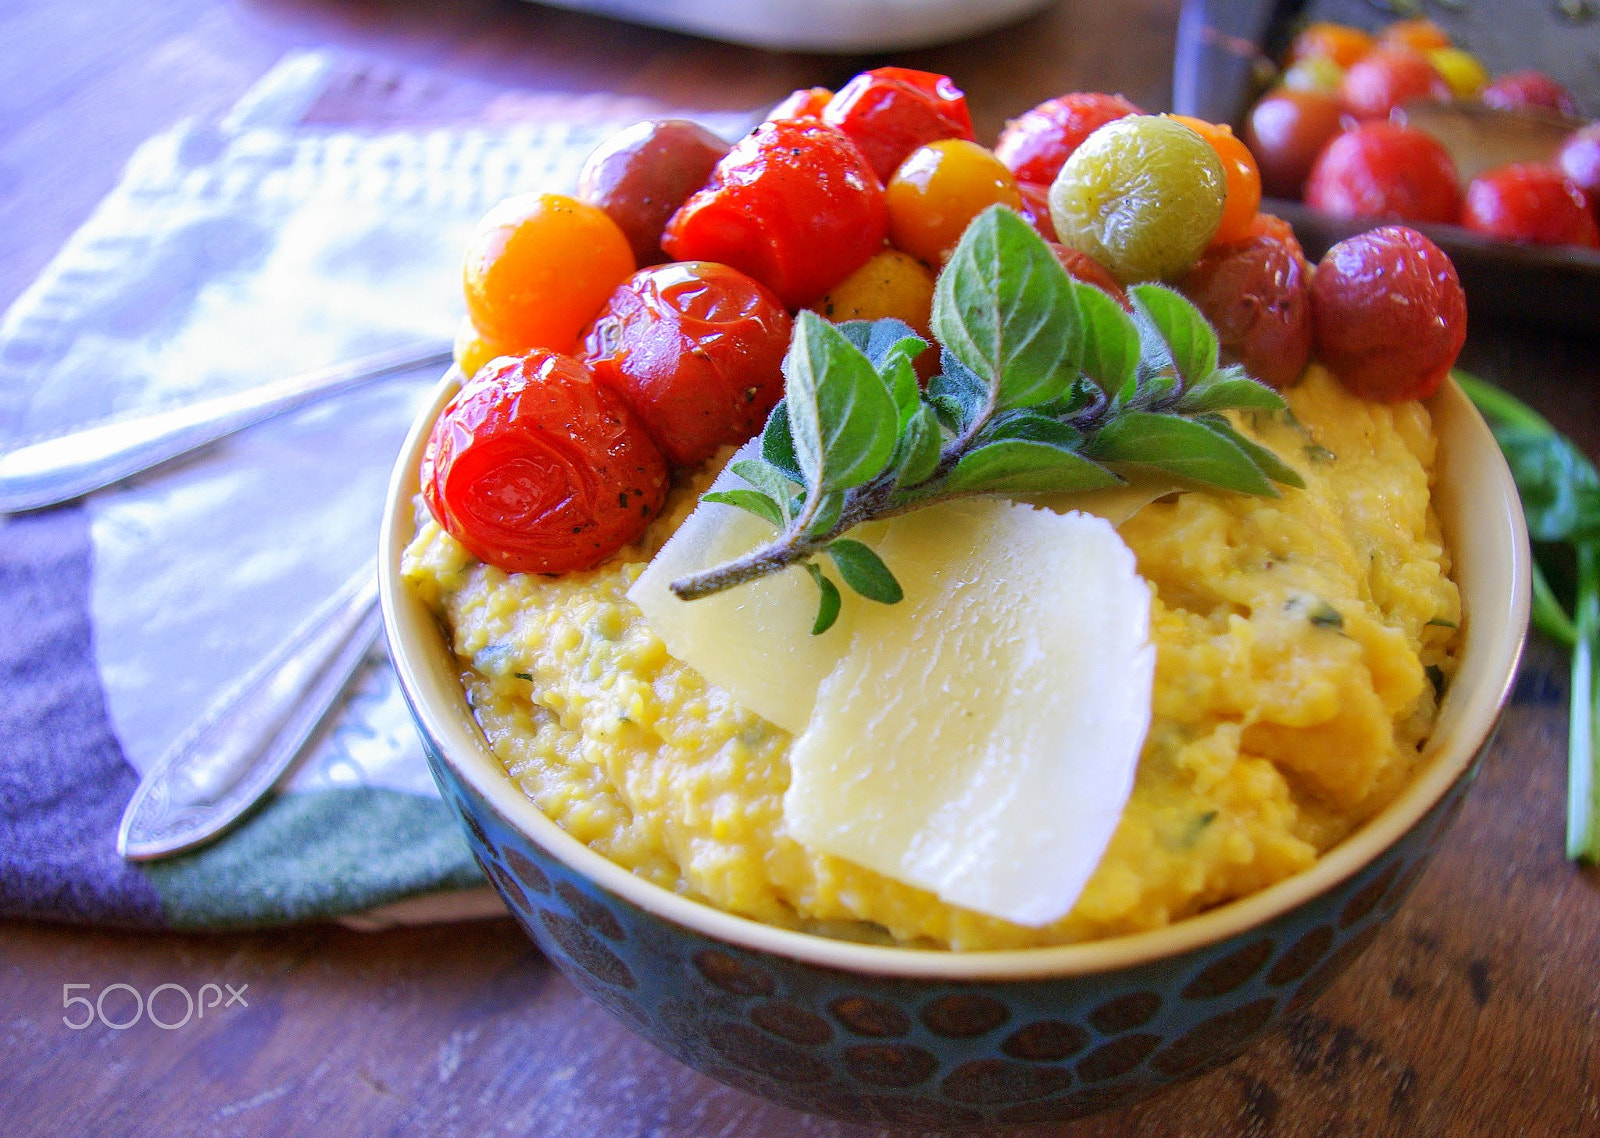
[[1046, 384]]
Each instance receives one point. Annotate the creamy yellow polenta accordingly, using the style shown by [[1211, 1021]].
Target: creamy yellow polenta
[[1300, 645]]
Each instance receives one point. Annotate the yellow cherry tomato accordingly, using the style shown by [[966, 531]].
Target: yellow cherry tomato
[[891, 283], [939, 189], [1244, 179], [1318, 73], [1419, 35], [1338, 42], [473, 349], [1461, 69], [538, 268]]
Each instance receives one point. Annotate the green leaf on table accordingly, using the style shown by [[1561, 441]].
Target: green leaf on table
[[1559, 486], [1188, 341], [1228, 389], [864, 571], [827, 603], [1264, 458], [1110, 354], [777, 444], [918, 450], [842, 417], [1006, 309], [1180, 447], [1018, 466], [751, 501]]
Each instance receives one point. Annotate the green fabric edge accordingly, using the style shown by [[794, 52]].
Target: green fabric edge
[[316, 855]]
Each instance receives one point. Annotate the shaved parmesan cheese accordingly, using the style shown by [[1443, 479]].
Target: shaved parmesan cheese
[[980, 738]]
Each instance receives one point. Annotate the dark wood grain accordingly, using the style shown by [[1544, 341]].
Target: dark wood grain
[[1474, 1013]]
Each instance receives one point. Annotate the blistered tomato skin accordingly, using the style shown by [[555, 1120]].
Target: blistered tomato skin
[[694, 349], [643, 173], [1388, 314], [1383, 170], [1518, 90], [536, 468], [1035, 145], [938, 190], [1530, 203], [1257, 295], [1243, 174], [538, 267], [1388, 78], [1082, 267], [1286, 131], [793, 204], [890, 111]]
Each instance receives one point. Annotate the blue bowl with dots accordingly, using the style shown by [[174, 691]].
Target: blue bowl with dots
[[928, 1039]]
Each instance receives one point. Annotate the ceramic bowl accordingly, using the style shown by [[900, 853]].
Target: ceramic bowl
[[929, 1039]]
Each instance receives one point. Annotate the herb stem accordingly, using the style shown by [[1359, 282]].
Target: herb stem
[[1583, 750], [1549, 617]]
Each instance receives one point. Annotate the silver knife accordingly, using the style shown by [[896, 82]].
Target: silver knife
[[57, 470], [239, 749]]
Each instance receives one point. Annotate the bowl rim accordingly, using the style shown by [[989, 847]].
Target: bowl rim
[[434, 694]]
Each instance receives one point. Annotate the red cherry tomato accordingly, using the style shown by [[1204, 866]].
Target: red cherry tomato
[[806, 103], [1036, 144], [644, 172], [1286, 131], [536, 468], [1517, 90], [1257, 295], [1387, 78], [1380, 169], [1085, 268], [1530, 203], [1579, 160], [1388, 314], [694, 349], [1036, 209], [793, 204], [890, 111]]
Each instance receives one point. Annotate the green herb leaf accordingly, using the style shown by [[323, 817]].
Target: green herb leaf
[[1033, 427], [1268, 462], [777, 444], [956, 394], [1110, 355], [751, 501], [826, 515], [1178, 446], [892, 347], [1017, 466], [1559, 486], [841, 415], [864, 571], [1006, 309], [827, 604], [768, 479], [1190, 343], [918, 451], [1228, 389]]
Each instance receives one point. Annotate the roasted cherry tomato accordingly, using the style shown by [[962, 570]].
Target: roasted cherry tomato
[[643, 173], [1380, 169], [894, 284], [938, 190], [1388, 78], [1036, 208], [1579, 160], [890, 111], [1244, 178], [1530, 203], [1085, 268], [1035, 145], [1464, 71], [694, 349], [1339, 42], [1286, 131], [539, 266], [1388, 314], [1271, 225], [536, 468], [1419, 35], [1518, 90], [1257, 295], [806, 103], [793, 204]]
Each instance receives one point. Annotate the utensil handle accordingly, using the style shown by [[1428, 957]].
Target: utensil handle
[[57, 470], [244, 742]]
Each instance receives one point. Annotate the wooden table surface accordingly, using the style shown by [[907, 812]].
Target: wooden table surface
[[1475, 1012]]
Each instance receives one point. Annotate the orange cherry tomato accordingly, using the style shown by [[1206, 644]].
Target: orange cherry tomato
[[806, 103], [937, 192], [1420, 35], [472, 349], [1338, 42], [539, 266], [1244, 178], [536, 468]]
